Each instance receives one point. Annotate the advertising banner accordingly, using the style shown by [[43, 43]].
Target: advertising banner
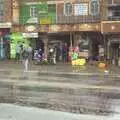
[[45, 20], [15, 38]]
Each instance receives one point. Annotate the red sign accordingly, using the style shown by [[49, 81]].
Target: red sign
[[4, 31]]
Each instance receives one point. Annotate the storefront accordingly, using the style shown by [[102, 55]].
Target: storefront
[[113, 49], [111, 32], [31, 39], [5, 40]]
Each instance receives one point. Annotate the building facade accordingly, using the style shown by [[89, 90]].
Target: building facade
[[92, 22], [5, 27], [110, 28]]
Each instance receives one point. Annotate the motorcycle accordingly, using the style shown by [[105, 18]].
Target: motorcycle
[[38, 57], [52, 56]]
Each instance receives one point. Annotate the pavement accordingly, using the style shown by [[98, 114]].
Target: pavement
[[60, 68], [13, 112]]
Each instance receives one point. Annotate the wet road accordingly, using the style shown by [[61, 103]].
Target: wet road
[[87, 94]]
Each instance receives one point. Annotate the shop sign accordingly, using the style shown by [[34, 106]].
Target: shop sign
[[32, 20], [44, 28], [54, 28], [30, 35], [30, 28], [6, 25], [46, 20], [47, 14]]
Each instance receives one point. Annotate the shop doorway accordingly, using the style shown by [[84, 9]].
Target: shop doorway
[[115, 53], [59, 40], [5, 43]]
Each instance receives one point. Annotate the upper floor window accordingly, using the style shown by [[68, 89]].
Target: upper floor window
[[81, 9], [1, 1], [68, 9], [94, 7], [1, 8], [52, 8], [1, 12], [33, 11]]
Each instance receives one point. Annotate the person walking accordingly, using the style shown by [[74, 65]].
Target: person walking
[[25, 59], [30, 51], [65, 53]]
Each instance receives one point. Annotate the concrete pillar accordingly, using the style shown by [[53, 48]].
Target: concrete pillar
[[76, 39], [104, 9], [15, 11], [90, 42], [45, 41]]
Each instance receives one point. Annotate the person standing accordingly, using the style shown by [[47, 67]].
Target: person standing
[[30, 51], [18, 48], [65, 53], [25, 59]]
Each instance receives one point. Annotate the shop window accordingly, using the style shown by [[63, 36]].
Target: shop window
[[68, 9], [94, 7], [1, 12], [51, 8], [1, 8]]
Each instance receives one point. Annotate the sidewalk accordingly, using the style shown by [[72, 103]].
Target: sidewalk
[[13, 112], [58, 68]]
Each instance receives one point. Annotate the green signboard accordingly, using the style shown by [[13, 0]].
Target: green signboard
[[38, 13], [15, 38]]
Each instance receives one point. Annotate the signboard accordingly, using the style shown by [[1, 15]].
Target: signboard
[[6, 25], [45, 20], [48, 16], [84, 54], [30, 35], [44, 28], [13, 50], [15, 37], [81, 9], [38, 13], [30, 28], [32, 20]]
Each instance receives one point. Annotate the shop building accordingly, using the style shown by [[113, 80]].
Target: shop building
[[5, 26], [110, 28], [63, 21], [92, 22]]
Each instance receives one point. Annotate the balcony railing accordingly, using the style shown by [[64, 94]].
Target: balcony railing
[[114, 18], [78, 19], [61, 19]]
